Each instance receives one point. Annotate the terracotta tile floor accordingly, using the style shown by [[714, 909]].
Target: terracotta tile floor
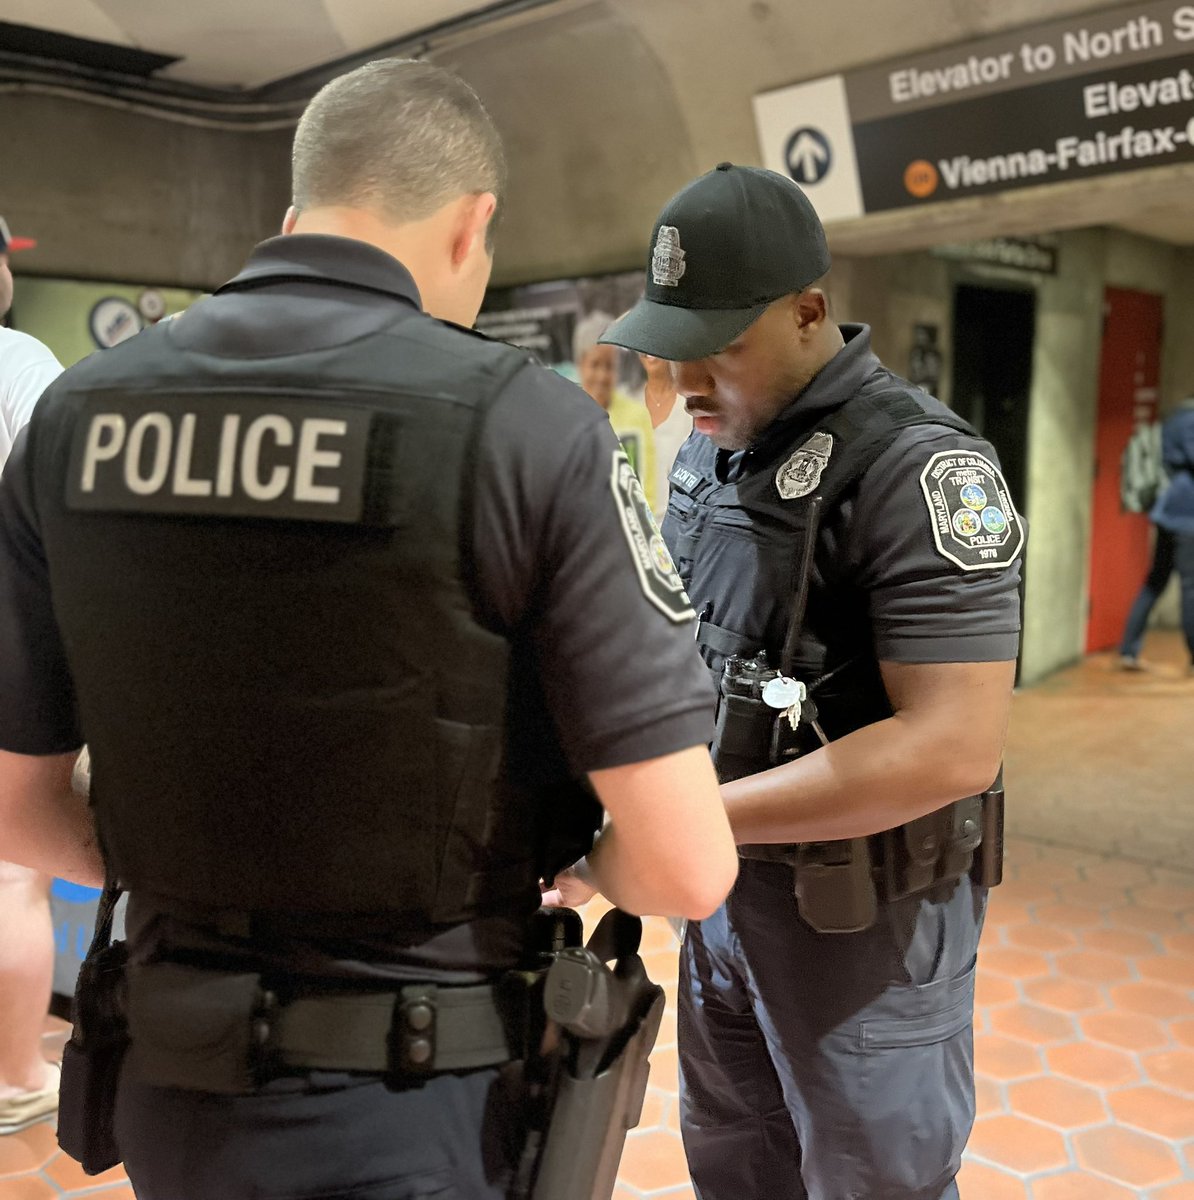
[[1085, 1025]]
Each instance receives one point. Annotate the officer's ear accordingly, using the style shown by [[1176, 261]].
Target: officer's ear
[[810, 308], [290, 220], [471, 228]]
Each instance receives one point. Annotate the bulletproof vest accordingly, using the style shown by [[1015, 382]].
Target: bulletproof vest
[[263, 575], [744, 547]]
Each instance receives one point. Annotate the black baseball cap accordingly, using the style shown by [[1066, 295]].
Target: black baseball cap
[[10, 244], [724, 247]]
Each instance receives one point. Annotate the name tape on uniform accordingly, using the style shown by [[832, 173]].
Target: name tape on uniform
[[223, 456], [657, 574], [975, 524]]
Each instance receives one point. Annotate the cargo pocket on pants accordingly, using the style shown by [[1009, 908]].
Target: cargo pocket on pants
[[916, 1083]]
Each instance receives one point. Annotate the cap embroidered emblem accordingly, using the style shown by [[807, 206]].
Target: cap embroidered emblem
[[802, 472], [667, 261]]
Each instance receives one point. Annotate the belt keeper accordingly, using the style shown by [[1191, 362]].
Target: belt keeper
[[416, 1030]]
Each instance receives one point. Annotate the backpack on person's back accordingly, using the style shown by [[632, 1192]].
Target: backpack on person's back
[[1141, 474]]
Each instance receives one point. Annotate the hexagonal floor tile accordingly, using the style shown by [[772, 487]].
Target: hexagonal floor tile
[[1093, 895], [1129, 1031], [653, 1161], [1078, 1185], [1097, 1065], [1171, 898], [1154, 1110], [989, 1183], [1133, 1158], [27, 1150], [1172, 1069], [28, 1187], [1013, 963], [1116, 873], [988, 1096], [1045, 938], [1094, 966], [1064, 995], [1005, 1058], [1124, 942], [1152, 1000], [991, 990], [1032, 1024], [1147, 920], [1057, 1102], [1069, 916], [1178, 971], [1022, 1145], [1178, 1191]]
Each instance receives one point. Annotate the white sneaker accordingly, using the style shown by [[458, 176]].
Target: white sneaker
[[27, 1108]]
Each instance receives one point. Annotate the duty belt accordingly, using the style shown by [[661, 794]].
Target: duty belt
[[225, 1032], [840, 884]]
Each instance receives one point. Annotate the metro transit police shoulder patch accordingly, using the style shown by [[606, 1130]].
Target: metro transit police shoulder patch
[[657, 574], [975, 525]]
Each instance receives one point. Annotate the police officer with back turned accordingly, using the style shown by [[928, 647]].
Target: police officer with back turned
[[852, 552], [360, 614]]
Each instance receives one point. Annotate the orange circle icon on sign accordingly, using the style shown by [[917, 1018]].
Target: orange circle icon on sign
[[920, 178]]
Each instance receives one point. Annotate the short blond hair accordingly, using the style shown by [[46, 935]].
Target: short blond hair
[[397, 135]]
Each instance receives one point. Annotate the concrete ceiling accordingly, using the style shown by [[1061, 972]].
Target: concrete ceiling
[[608, 106], [239, 43]]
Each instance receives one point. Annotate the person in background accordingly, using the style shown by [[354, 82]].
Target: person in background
[[669, 420], [1173, 519], [28, 1084], [597, 371]]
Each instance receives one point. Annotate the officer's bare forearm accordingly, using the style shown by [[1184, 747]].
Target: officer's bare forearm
[[45, 824], [887, 773]]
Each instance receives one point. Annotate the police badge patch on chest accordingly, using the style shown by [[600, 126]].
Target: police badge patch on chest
[[974, 522], [802, 472], [657, 574]]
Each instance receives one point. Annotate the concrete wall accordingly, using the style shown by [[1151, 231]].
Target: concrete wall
[[895, 292], [114, 195]]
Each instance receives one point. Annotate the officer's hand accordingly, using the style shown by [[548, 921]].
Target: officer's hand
[[569, 889]]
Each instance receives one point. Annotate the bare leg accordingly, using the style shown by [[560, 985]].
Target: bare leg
[[26, 977]]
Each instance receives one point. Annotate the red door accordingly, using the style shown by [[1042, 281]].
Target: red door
[[1129, 371]]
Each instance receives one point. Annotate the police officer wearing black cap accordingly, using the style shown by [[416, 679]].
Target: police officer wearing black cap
[[344, 598], [852, 552]]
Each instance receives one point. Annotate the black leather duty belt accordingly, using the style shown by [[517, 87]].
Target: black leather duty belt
[[226, 1032]]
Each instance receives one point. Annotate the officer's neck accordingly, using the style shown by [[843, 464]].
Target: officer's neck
[[424, 247]]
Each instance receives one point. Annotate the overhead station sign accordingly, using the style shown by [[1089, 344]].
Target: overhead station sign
[[1096, 95]]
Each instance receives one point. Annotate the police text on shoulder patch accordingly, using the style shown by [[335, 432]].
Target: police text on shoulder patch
[[975, 524], [802, 472], [657, 574]]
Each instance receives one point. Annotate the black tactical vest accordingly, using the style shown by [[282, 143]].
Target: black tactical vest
[[293, 707], [740, 546]]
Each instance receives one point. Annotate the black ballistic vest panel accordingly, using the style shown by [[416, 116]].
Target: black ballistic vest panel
[[738, 546], [290, 714]]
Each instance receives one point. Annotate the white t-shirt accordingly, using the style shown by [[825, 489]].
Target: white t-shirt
[[26, 370], [669, 437]]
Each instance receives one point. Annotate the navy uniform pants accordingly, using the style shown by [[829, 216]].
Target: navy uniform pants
[[453, 1137], [828, 1066]]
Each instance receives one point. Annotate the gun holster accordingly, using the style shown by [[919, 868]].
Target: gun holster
[[608, 1020], [92, 1058]]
